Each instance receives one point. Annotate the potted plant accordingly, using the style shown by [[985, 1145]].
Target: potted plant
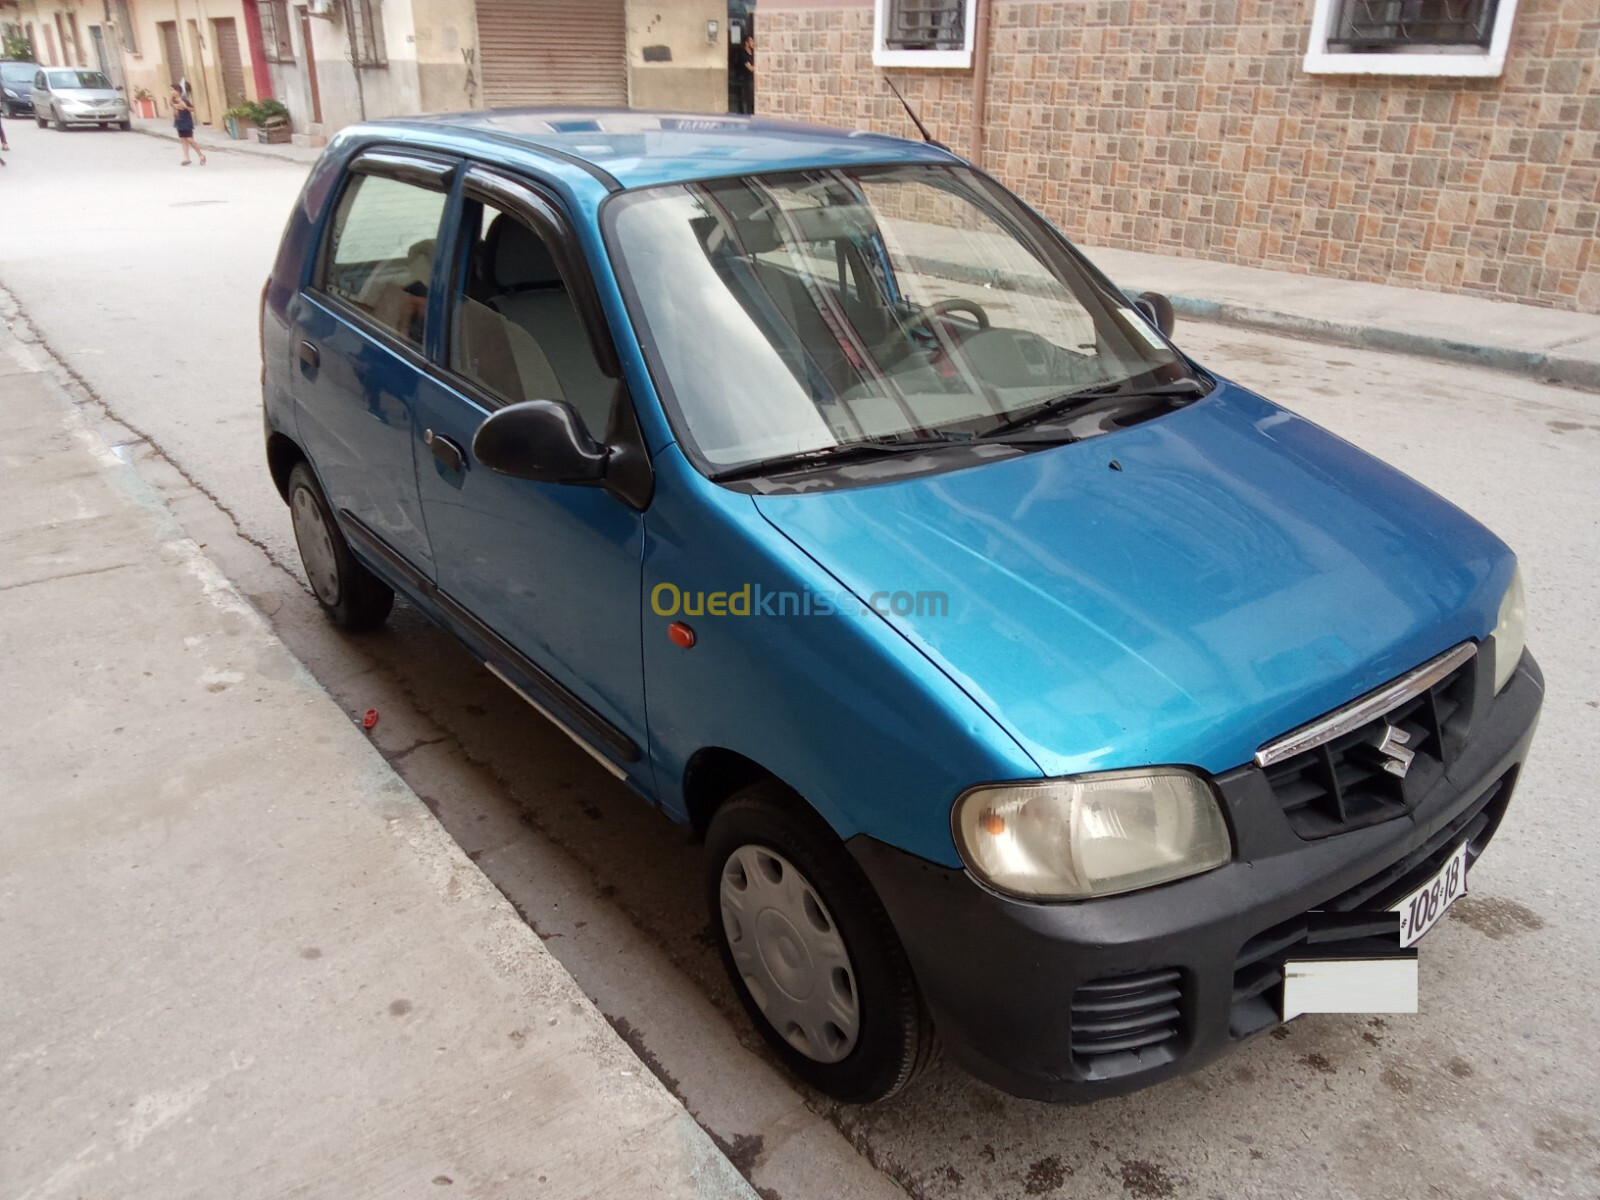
[[240, 120], [272, 121], [145, 101]]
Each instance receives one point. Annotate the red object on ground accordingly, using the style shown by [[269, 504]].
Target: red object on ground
[[371, 719]]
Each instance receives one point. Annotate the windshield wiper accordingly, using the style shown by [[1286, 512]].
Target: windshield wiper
[[1067, 401], [828, 456]]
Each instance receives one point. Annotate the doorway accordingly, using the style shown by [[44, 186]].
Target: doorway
[[741, 83], [311, 65], [171, 52], [230, 63]]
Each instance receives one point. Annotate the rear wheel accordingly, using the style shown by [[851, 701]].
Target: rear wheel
[[352, 596], [810, 949]]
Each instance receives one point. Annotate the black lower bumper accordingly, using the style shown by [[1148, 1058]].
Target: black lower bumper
[[1190, 968]]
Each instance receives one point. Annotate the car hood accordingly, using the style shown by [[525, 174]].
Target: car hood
[[86, 94], [1177, 592]]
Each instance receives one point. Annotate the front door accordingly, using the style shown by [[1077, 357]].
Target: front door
[[230, 64], [360, 332], [311, 65], [171, 51], [545, 577]]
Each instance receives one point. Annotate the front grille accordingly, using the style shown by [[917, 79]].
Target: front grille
[[1127, 1023], [1348, 783], [1355, 923]]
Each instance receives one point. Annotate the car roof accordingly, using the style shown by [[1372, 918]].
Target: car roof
[[641, 149]]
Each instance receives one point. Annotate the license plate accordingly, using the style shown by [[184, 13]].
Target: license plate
[[1421, 910], [1350, 985]]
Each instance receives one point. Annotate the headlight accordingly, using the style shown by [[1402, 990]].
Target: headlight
[[1510, 631], [1092, 835]]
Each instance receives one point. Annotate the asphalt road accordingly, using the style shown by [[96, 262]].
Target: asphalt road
[[143, 278]]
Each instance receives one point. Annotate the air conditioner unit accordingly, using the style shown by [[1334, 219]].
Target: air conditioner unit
[[327, 9]]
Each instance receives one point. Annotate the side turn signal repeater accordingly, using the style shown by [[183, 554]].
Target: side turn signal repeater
[[680, 634]]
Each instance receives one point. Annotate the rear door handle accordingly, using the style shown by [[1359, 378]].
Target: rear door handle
[[446, 451], [309, 358]]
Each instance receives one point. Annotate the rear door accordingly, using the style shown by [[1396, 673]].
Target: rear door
[[359, 332]]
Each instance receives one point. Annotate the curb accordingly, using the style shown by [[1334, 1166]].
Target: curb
[[226, 147], [1555, 368]]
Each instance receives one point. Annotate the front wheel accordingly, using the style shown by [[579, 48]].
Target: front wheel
[[124, 124], [352, 596], [61, 126], [810, 950], [38, 120]]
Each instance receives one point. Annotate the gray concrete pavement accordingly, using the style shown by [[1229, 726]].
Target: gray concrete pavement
[[242, 959], [1492, 1091]]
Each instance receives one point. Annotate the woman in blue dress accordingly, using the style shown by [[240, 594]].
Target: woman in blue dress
[[183, 122]]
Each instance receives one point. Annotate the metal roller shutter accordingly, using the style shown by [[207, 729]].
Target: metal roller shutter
[[553, 52]]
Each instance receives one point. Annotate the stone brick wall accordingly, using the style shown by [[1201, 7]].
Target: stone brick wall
[[1188, 127]]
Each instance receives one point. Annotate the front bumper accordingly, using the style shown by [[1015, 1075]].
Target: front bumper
[[96, 116], [1195, 965], [19, 105]]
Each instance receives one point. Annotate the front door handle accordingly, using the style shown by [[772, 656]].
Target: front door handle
[[446, 451], [309, 358]]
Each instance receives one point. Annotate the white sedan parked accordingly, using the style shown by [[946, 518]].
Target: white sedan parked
[[66, 96]]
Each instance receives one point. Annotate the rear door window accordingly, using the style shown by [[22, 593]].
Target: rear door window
[[380, 250]]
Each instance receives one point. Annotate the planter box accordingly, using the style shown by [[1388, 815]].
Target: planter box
[[146, 108], [239, 127], [273, 132]]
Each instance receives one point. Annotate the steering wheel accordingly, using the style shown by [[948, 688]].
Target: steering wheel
[[955, 304]]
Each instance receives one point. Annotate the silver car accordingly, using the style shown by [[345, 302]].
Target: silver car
[[70, 96]]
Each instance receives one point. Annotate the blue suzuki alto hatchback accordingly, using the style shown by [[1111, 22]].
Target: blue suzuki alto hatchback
[[1031, 685]]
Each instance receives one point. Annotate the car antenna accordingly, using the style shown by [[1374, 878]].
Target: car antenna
[[915, 120]]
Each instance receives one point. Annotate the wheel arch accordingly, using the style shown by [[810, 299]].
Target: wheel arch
[[282, 455], [714, 774]]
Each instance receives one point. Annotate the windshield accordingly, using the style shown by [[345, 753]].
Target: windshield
[[799, 312], [17, 72], [78, 79]]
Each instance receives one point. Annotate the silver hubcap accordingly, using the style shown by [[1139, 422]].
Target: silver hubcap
[[789, 953], [315, 540]]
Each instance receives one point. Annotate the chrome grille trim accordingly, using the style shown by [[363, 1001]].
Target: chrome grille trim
[[1367, 708]]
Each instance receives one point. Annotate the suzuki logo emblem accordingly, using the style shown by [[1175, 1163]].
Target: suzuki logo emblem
[[1393, 748]]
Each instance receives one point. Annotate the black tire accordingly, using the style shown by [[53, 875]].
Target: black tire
[[61, 126], [38, 120], [125, 124], [353, 597], [895, 1039]]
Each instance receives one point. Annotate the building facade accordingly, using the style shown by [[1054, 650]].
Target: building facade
[[335, 62], [145, 46], [1260, 132]]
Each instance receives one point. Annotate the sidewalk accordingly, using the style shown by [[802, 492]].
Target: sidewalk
[[209, 140], [1546, 343], [241, 958]]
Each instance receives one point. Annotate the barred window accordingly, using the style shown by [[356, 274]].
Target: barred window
[[1382, 24], [365, 22], [275, 43], [923, 33], [926, 25]]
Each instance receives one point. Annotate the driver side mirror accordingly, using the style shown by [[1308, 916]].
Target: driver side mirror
[[542, 440], [1159, 309]]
